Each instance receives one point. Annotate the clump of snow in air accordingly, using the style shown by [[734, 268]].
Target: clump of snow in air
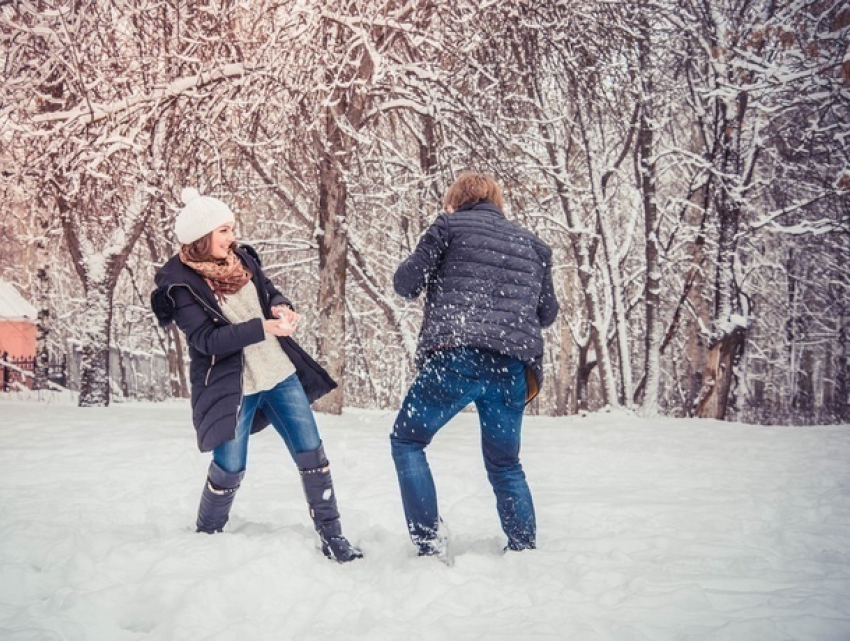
[[649, 529]]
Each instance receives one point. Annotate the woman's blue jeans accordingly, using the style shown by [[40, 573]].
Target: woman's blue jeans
[[287, 408], [450, 380]]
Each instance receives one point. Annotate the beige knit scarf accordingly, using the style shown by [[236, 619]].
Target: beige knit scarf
[[225, 277]]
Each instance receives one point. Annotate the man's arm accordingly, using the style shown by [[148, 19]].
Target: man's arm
[[413, 274]]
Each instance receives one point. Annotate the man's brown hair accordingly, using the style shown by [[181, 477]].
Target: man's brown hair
[[469, 188]]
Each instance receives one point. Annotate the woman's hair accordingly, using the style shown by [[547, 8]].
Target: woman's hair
[[469, 188], [200, 250]]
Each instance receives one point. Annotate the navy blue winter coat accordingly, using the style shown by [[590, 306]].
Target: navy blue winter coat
[[215, 346], [488, 284]]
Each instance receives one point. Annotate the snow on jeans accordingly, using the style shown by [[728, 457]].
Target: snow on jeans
[[448, 382], [288, 409]]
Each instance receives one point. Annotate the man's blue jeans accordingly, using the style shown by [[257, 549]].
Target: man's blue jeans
[[450, 380], [288, 409]]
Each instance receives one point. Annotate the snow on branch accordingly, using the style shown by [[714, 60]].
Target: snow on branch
[[405, 103], [770, 219], [88, 114]]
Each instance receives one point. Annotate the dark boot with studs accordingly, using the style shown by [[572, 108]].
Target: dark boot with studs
[[217, 498], [319, 491]]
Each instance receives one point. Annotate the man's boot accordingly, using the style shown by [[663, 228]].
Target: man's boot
[[319, 491], [217, 498]]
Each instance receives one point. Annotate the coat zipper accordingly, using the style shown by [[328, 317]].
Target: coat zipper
[[241, 389], [209, 371]]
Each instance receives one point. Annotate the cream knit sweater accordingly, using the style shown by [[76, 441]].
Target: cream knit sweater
[[266, 364]]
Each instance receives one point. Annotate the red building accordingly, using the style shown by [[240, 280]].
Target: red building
[[17, 331]]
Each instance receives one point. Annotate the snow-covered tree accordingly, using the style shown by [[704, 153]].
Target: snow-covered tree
[[99, 92], [757, 75], [696, 204]]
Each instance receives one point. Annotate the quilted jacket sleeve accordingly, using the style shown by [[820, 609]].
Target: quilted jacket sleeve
[[547, 305], [209, 332], [413, 274]]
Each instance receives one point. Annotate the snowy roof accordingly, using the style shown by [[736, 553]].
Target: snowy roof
[[13, 306]]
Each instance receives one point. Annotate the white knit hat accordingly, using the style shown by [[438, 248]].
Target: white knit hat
[[200, 216]]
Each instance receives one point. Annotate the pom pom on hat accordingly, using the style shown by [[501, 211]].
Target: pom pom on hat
[[200, 215], [188, 194]]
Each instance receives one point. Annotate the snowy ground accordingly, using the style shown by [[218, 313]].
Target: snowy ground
[[648, 529]]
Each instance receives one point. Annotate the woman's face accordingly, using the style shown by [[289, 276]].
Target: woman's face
[[222, 239]]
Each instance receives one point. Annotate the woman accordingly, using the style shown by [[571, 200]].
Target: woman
[[245, 369]]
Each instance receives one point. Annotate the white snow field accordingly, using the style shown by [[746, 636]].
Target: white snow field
[[647, 529]]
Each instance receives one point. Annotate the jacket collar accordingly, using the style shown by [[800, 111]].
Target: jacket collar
[[175, 274], [482, 205]]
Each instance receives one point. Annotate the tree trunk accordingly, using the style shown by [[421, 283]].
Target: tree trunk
[[842, 376], [723, 354], [582, 381], [347, 103], [428, 161], [584, 249], [41, 371], [804, 395], [564, 392], [99, 275], [333, 257], [614, 285], [652, 291], [94, 364], [176, 364], [726, 345], [599, 340]]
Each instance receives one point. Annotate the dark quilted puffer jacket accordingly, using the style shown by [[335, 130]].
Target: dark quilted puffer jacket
[[215, 346], [487, 283]]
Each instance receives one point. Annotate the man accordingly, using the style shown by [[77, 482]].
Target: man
[[488, 292]]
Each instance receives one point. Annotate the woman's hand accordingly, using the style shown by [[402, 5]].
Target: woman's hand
[[284, 326], [278, 311]]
